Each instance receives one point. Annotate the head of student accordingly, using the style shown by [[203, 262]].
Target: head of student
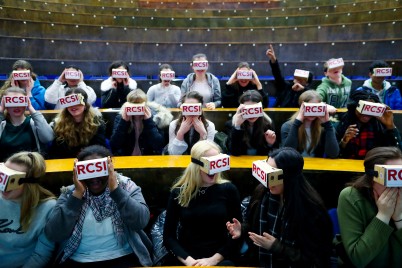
[[333, 74], [303, 80], [165, 68], [355, 97], [137, 96], [14, 112], [199, 57], [96, 186], [23, 65], [310, 96], [193, 177], [118, 65], [77, 111], [243, 66], [72, 82], [377, 64], [30, 193], [248, 98], [193, 97]]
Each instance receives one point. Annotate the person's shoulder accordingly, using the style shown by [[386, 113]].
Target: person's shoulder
[[350, 193], [48, 204]]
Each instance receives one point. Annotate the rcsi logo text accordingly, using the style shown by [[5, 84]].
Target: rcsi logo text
[[15, 101], [74, 75], [69, 101], [389, 175], [119, 73], [215, 164], [253, 111], [92, 168], [242, 74], [135, 109], [334, 63], [371, 108], [314, 109], [191, 109], [383, 72], [22, 75], [167, 75], [200, 65]]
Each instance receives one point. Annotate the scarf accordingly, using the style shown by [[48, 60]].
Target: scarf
[[102, 207], [138, 127], [272, 221]]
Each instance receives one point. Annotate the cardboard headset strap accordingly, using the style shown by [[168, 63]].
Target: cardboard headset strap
[[196, 161]]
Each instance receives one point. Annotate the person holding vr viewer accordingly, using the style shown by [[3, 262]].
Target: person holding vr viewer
[[244, 78], [252, 131], [286, 222], [202, 201], [99, 220], [311, 133], [370, 212], [361, 130], [25, 209], [20, 132]]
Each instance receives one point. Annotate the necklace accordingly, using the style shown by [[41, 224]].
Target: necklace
[[202, 190]]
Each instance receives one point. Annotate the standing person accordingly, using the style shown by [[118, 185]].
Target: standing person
[[287, 225], [370, 215], [164, 93], [388, 94], [251, 136], [335, 87], [19, 132], [185, 131], [99, 221], [115, 90], [358, 133], [205, 83], [287, 93], [310, 135], [60, 86], [139, 134], [34, 90], [236, 87], [76, 127], [24, 213], [202, 204]]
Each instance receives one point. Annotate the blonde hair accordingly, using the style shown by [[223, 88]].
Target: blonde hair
[[68, 131], [316, 128], [33, 194], [190, 182]]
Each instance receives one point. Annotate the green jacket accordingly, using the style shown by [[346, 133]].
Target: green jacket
[[333, 94], [368, 241]]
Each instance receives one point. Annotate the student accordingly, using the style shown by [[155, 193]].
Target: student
[[185, 131], [358, 133], [76, 127], [310, 135], [201, 204], [205, 83], [164, 93], [370, 215], [287, 94], [99, 221], [60, 86], [19, 132], [388, 94], [287, 225], [24, 213], [115, 90], [251, 136], [236, 87], [34, 90], [139, 134], [335, 87]]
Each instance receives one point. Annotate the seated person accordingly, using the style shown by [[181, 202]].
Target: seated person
[[358, 133], [370, 215], [312, 136], [164, 93], [205, 83], [24, 213], [60, 86], [99, 221], [76, 127], [287, 94], [139, 134], [114, 90], [251, 136], [235, 87], [335, 87], [185, 131], [34, 90], [388, 94], [19, 132]]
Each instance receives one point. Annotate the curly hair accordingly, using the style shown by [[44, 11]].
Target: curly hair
[[73, 133]]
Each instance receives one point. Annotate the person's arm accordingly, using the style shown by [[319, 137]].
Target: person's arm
[[170, 228], [175, 146], [52, 92], [151, 93], [42, 254], [363, 234], [289, 133], [322, 91], [331, 144], [279, 79], [38, 96], [90, 92], [131, 205], [174, 96], [63, 218], [120, 134], [211, 131], [44, 130], [216, 87]]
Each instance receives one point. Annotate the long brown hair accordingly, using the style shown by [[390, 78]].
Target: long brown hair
[[33, 194], [316, 127]]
